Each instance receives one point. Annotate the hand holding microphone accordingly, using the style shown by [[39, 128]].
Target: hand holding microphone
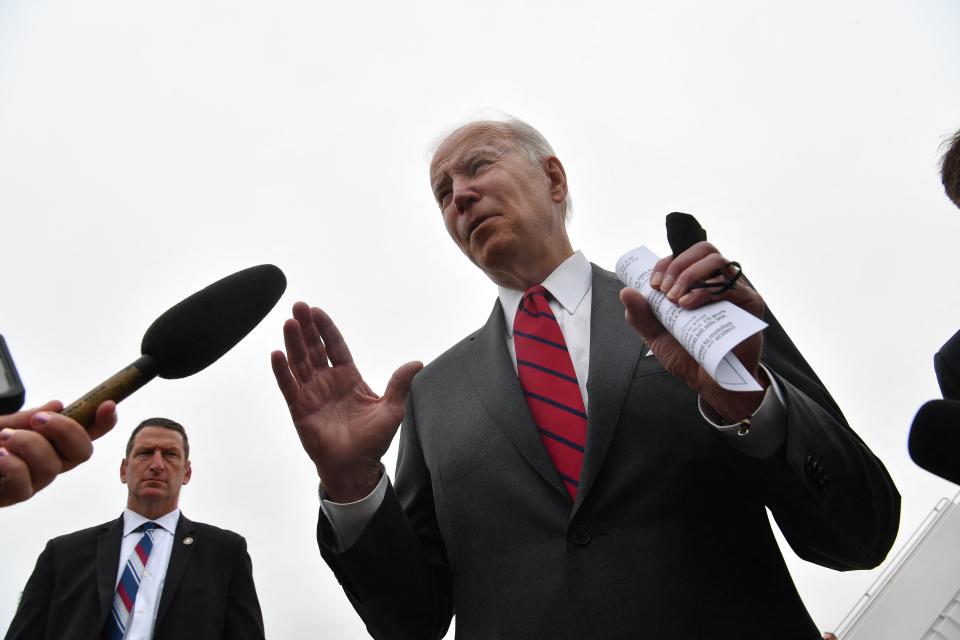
[[934, 441], [191, 335], [38, 444]]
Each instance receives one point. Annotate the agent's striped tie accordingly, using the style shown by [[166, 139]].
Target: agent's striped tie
[[550, 385], [129, 584]]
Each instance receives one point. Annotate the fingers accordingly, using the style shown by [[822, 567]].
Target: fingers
[[313, 342], [69, 439], [298, 359], [15, 485], [399, 385], [640, 317], [36, 452], [38, 444], [104, 419], [710, 269], [701, 263], [696, 264], [281, 371], [21, 419], [337, 349], [312, 339]]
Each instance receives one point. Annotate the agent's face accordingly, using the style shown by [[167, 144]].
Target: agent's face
[[500, 208], [154, 471]]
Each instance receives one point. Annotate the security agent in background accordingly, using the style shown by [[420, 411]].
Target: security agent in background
[[554, 479], [152, 573]]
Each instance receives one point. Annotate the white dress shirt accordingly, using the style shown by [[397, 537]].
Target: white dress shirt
[[570, 285], [143, 617]]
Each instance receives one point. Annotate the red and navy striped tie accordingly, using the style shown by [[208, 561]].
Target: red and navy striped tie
[[550, 385], [126, 594]]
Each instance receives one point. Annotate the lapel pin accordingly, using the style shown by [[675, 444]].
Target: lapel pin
[[188, 540]]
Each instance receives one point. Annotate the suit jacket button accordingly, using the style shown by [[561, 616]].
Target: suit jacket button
[[580, 536]]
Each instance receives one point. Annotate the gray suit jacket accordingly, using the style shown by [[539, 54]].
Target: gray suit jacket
[[208, 591], [668, 537]]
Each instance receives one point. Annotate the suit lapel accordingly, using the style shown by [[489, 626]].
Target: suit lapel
[[491, 372], [179, 557], [108, 563], [615, 349]]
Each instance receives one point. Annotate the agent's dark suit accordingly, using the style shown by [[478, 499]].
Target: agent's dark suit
[[208, 591], [668, 537]]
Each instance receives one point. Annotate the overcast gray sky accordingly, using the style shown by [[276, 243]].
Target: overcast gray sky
[[148, 149]]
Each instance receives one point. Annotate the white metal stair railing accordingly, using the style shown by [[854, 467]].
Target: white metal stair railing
[[906, 601], [947, 625]]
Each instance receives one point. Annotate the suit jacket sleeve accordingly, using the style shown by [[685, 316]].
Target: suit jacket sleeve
[[833, 499], [30, 620], [243, 619], [396, 575]]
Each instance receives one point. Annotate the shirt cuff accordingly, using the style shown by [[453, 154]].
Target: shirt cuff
[[768, 424], [349, 519]]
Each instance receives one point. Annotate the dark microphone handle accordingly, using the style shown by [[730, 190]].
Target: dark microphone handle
[[116, 388]]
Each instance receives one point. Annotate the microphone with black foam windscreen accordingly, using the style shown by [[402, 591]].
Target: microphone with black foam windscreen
[[934, 441], [192, 335], [683, 231]]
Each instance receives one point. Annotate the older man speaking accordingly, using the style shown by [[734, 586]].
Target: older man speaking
[[555, 480]]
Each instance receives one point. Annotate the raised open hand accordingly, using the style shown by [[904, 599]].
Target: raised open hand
[[343, 425]]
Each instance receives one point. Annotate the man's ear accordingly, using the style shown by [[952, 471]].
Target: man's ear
[[188, 472], [123, 471], [557, 178]]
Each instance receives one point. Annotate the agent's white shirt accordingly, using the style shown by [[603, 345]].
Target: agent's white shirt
[[143, 617]]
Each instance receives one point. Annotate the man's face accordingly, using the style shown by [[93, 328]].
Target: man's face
[[500, 208], [155, 470]]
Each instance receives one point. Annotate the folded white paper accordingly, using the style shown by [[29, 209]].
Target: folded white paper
[[708, 333]]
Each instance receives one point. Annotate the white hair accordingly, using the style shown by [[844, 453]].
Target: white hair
[[531, 143]]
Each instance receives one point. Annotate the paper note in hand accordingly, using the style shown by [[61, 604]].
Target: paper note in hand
[[708, 333]]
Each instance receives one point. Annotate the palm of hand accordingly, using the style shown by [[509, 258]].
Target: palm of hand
[[339, 418]]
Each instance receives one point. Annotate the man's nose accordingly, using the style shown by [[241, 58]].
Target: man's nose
[[156, 460], [464, 194]]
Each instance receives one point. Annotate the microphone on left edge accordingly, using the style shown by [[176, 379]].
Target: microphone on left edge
[[191, 335], [934, 441]]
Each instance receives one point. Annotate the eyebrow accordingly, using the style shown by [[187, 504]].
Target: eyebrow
[[145, 447], [438, 181]]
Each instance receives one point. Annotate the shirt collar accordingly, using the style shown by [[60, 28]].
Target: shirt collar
[[132, 520], [568, 284]]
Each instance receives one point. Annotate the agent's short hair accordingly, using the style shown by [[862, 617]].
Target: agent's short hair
[[163, 423], [950, 169]]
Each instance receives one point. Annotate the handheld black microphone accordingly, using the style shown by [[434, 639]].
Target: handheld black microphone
[[192, 335], [683, 231], [934, 441]]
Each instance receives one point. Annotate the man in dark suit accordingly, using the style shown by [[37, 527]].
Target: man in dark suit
[[641, 516], [946, 362], [152, 573]]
